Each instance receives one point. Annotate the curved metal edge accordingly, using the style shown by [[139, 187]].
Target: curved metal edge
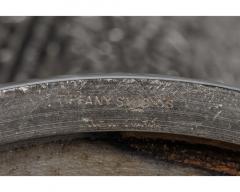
[[128, 76], [117, 76]]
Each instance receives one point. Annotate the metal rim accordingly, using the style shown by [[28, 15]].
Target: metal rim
[[192, 114]]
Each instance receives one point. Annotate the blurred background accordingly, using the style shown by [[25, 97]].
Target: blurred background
[[205, 48]]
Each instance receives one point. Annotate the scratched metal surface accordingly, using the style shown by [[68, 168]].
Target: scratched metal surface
[[119, 104], [195, 47]]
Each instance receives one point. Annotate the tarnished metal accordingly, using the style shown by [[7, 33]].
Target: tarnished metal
[[119, 103], [139, 111]]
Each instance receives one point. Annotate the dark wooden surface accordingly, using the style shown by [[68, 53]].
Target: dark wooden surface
[[88, 157], [118, 153]]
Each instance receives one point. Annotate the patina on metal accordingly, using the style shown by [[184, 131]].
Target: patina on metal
[[119, 103], [180, 109]]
